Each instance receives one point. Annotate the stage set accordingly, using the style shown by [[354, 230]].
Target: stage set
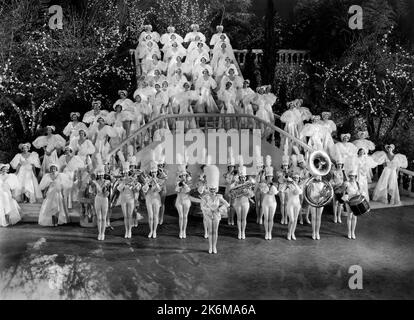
[[190, 186]]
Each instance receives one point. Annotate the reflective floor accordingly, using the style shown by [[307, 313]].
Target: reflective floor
[[68, 262]]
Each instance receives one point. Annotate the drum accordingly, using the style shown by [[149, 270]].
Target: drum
[[359, 205]]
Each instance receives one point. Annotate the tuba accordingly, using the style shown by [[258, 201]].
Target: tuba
[[318, 192]]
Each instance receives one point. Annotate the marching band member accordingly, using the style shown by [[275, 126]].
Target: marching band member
[[53, 210], [25, 163], [219, 35], [351, 190], [51, 143], [293, 206], [191, 36], [316, 190], [91, 117], [241, 201], [229, 178], [183, 202], [168, 36], [162, 175], [129, 192], [213, 206], [102, 188], [304, 175], [202, 185], [151, 189], [268, 199], [338, 179], [387, 184], [73, 127], [9, 209], [260, 178], [281, 177]]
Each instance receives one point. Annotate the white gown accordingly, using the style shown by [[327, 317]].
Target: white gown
[[91, 117], [72, 130], [388, 182], [347, 151], [191, 36], [53, 204], [166, 38], [216, 38], [8, 205], [365, 164], [27, 181], [69, 167], [83, 150], [101, 135], [205, 103], [52, 143]]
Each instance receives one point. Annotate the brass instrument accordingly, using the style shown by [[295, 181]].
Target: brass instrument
[[319, 165], [241, 190]]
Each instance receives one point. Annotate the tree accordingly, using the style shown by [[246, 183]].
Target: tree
[[269, 48]]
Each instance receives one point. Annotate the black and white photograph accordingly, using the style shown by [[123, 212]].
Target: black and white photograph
[[206, 150]]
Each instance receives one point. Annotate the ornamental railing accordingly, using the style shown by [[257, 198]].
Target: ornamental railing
[[406, 183]]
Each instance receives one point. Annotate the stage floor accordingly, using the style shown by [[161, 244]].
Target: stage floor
[[68, 262]]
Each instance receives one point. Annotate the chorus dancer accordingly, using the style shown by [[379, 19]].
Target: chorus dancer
[[245, 94], [316, 190], [219, 36], [102, 190], [129, 191], [51, 144], [347, 150], [191, 36], [151, 189], [177, 80], [293, 206], [149, 34], [159, 104], [227, 97], [195, 52], [291, 119], [338, 179], [149, 65], [155, 77], [199, 66], [260, 178], [9, 209], [386, 190], [54, 211], [145, 90], [91, 117], [145, 51], [69, 164], [176, 64], [241, 200], [221, 51], [330, 126], [72, 128], [304, 175], [368, 145], [281, 177], [231, 75], [181, 103], [351, 189], [268, 203], [25, 164], [213, 206], [364, 164], [83, 147], [142, 111], [117, 119], [170, 36], [204, 85], [100, 135], [314, 132], [172, 51], [305, 113], [220, 67], [183, 202]]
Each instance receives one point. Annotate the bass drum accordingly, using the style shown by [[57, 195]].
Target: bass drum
[[359, 205]]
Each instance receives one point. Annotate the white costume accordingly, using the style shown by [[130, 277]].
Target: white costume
[[50, 143], [388, 182], [205, 102], [8, 205], [72, 129], [100, 136], [28, 184]]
